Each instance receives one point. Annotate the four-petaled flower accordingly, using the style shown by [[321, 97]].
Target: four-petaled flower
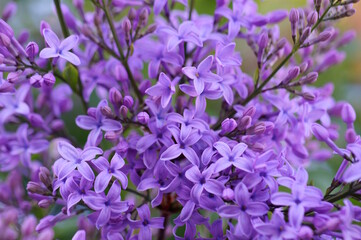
[[97, 123], [108, 205], [109, 170], [24, 148], [201, 74], [146, 223], [182, 146], [60, 49], [77, 159], [244, 210], [165, 88], [203, 181], [232, 157]]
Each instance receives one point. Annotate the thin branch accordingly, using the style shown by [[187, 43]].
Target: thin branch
[[122, 57]]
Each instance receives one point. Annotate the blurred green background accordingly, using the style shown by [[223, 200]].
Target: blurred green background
[[346, 76]]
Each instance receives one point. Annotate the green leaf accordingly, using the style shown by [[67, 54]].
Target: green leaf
[[71, 76]]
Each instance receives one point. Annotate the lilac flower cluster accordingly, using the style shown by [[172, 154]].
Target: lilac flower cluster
[[156, 162]]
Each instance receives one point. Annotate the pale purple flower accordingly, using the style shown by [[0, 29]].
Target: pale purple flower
[[226, 56], [276, 228], [186, 32], [97, 123], [109, 170], [159, 5], [203, 181], [244, 14], [302, 197], [59, 49], [210, 91], [182, 146], [232, 157], [77, 159], [24, 148], [107, 205], [147, 223], [244, 210], [78, 192], [165, 88], [14, 104], [201, 74]]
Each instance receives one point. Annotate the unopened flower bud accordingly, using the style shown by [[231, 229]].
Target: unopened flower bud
[[115, 97], [36, 188], [36, 80], [127, 26], [78, 4], [250, 111], [257, 129], [320, 132], [244, 122], [348, 114], [308, 96], [228, 194], [312, 18], [144, 86], [228, 125], [258, 147], [128, 101], [350, 135], [10, 216], [151, 28], [107, 111], [45, 176], [143, 117], [143, 16], [332, 223], [346, 38], [32, 50], [9, 11], [49, 79], [309, 78], [36, 120], [110, 136], [6, 29], [132, 14], [123, 111], [5, 40], [120, 73], [122, 146], [294, 16], [305, 233], [57, 125], [292, 74], [317, 4], [305, 34], [28, 226], [92, 112], [303, 67], [45, 203], [23, 37], [15, 77]]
